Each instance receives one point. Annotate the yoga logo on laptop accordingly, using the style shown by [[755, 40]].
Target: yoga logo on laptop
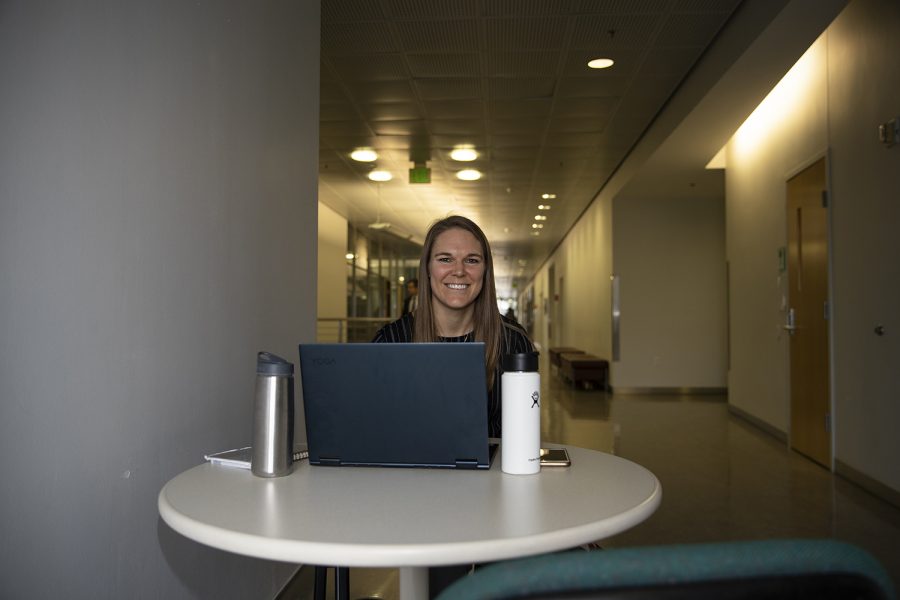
[[535, 399]]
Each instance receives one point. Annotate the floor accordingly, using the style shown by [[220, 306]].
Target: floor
[[722, 479]]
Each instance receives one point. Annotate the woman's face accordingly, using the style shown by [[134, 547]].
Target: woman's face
[[456, 269]]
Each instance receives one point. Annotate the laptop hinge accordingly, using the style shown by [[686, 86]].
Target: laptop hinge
[[329, 461], [466, 463]]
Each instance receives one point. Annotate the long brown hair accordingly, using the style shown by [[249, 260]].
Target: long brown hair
[[486, 315]]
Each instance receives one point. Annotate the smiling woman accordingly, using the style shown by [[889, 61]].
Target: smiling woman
[[456, 277], [459, 304]]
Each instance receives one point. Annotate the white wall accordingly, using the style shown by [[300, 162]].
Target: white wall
[[584, 261], [669, 255], [864, 89], [844, 86], [332, 271], [786, 134], [157, 228]]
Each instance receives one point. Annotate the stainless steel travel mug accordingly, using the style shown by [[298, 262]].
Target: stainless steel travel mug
[[273, 417], [521, 414]]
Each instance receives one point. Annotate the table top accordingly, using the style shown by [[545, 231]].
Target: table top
[[396, 517]]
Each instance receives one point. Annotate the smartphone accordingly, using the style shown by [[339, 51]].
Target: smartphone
[[555, 457]]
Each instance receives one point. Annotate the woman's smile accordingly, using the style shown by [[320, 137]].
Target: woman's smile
[[456, 270]]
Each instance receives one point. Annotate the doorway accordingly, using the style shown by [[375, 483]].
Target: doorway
[[808, 313]]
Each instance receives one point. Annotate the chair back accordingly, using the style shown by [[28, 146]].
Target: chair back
[[776, 569]]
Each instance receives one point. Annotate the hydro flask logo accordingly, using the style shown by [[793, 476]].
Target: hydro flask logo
[[535, 399]]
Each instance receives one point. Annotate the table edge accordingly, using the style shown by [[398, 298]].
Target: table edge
[[404, 555]]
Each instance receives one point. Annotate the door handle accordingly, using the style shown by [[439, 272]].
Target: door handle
[[791, 325]]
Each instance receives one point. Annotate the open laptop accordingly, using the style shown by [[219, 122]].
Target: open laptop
[[396, 405]]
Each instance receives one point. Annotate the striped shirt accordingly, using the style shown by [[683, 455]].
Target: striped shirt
[[514, 341]]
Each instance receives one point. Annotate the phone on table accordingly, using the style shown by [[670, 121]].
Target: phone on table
[[555, 457]]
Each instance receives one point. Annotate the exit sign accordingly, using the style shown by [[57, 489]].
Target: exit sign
[[420, 175]]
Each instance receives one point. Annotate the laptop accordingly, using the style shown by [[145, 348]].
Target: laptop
[[396, 405]]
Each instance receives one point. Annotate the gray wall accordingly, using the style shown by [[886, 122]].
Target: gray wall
[[157, 228], [863, 51], [669, 255], [847, 84]]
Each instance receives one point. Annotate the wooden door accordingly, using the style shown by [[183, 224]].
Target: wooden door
[[808, 313]]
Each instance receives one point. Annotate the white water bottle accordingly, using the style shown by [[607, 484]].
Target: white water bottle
[[521, 414]]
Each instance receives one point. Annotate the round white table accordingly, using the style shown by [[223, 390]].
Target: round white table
[[409, 518]]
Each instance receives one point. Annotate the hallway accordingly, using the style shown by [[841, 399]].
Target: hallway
[[722, 479]]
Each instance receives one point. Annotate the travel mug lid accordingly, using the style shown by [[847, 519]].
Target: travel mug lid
[[271, 364], [523, 361]]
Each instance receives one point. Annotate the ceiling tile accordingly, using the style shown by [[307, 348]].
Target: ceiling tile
[[374, 67], [334, 11], [521, 107], [574, 125], [337, 112], [405, 128], [423, 65], [405, 9], [456, 126], [515, 8], [356, 38], [722, 7], [458, 35], [392, 111], [524, 87], [463, 108], [381, 91], [530, 33], [522, 125], [612, 7], [332, 93], [522, 64], [598, 85], [448, 89], [602, 32], [331, 128], [586, 108]]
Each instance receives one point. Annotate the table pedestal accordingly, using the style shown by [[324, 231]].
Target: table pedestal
[[413, 583]]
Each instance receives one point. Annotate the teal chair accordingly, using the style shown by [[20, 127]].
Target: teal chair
[[776, 569]]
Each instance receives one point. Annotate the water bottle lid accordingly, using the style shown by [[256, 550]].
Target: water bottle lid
[[523, 361], [271, 364]]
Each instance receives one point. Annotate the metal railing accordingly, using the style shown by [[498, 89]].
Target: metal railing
[[341, 330]]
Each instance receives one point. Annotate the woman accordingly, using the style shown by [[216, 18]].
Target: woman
[[458, 303]]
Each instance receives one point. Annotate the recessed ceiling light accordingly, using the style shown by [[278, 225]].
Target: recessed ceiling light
[[543, 207], [535, 233], [540, 217], [380, 175], [469, 174], [349, 256], [537, 225], [364, 155], [464, 153], [601, 63], [548, 196]]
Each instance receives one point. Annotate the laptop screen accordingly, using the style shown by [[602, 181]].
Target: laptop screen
[[400, 405]]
